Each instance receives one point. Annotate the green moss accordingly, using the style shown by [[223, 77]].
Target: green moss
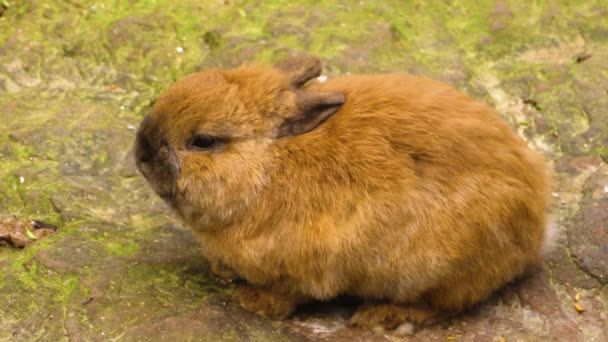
[[10, 192], [30, 199], [172, 285], [213, 39], [20, 151], [38, 296], [13, 13], [148, 290], [120, 247], [34, 278], [21, 257]]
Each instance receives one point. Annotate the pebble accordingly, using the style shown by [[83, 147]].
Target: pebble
[[405, 329]]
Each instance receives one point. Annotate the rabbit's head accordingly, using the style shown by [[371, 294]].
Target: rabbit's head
[[209, 146]]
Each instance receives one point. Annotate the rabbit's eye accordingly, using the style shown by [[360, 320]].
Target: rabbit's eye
[[203, 142]]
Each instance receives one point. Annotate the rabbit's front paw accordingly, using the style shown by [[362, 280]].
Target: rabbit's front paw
[[223, 272], [264, 302], [401, 318]]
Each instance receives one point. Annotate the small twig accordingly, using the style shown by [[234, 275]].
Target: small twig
[[87, 301], [36, 224], [532, 103], [581, 57]]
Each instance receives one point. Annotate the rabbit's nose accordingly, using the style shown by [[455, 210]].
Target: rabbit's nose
[[144, 151], [155, 159], [144, 142]]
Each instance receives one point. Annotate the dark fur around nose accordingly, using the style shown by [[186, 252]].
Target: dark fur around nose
[[155, 159]]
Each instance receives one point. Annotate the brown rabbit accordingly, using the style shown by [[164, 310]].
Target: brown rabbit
[[396, 189]]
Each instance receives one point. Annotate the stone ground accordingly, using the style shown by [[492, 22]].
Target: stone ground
[[76, 77]]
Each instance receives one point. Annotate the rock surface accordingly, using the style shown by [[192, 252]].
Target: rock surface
[[77, 76]]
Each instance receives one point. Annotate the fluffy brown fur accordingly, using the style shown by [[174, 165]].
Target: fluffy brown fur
[[393, 188]]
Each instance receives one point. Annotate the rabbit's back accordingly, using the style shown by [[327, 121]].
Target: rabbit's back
[[456, 195], [444, 136]]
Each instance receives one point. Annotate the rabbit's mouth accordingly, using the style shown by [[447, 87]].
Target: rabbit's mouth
[[161, 176], [156, 161]]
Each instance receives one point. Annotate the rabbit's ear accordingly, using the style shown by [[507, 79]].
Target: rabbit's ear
[[311, 109], [300, 69]]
